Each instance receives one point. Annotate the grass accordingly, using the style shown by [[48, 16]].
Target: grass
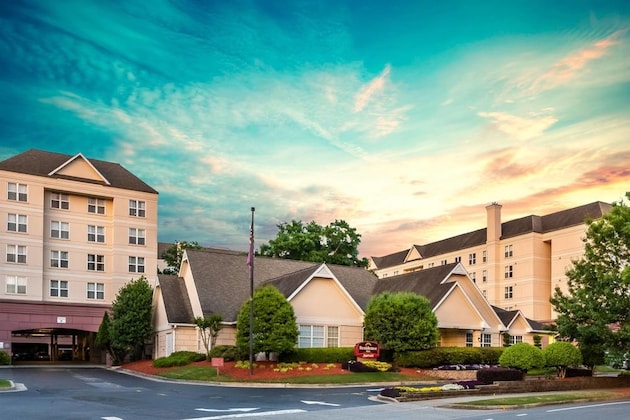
[[204, 373], [536, 399], [4, 383]]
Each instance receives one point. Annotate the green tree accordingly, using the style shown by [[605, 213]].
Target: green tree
[[562, 355], [209, 326], [103, 340], [336, 243], [522, 356], [275, 328], [131, 323], [401, 321], [173, 255], [595, 310]]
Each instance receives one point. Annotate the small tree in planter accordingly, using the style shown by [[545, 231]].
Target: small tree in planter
[[522, 356], [209, 327], [562, 355]]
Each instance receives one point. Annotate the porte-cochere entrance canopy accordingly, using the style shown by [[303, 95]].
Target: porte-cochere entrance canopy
[[51, 344]]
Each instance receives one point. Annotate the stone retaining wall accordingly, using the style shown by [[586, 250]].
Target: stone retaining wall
[[456, 375]]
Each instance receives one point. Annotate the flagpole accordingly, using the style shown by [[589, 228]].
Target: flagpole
[[250, 263]]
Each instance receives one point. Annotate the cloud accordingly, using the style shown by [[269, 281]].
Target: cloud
[[520, 128], [376, 85], [567, 68]]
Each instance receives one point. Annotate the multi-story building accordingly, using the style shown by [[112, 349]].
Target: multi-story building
[[74, 231], [516, 264]]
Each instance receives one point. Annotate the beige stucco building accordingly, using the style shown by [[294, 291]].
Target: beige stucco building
[[74, 231], [516, 264]]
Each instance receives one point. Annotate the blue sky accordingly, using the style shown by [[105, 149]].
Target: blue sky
[[404, 118]]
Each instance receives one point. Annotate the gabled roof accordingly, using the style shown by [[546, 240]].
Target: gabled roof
[[47, 164], [222, 277], [357, 282], [429, 283], [177, 305], [521, 226], [508, 318]]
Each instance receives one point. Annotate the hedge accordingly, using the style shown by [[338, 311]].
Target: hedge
[[179, 358], [492, 374], [449, 356]]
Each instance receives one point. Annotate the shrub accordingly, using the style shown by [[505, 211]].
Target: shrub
[[228, 353], [179, 358], [490, 375], [577, 372], [320, 355], [367, 366], [5, 359], [522, 356], [562, 355], [439, 356]]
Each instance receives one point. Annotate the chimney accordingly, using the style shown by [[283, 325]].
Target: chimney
[[494, 222]]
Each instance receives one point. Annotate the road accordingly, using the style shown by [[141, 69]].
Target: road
[[97, 393]]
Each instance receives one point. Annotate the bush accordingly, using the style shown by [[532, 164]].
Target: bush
[[562, 355], [179, 358], [368, 366], [320, 355], [5, 359], [522, 356], [577, 372], [490, 375], [228, 353], [440, 356]]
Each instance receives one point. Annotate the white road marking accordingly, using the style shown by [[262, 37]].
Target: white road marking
[[111, 418], [587, 406], [319, 403], [375, 390], [245, 410], [243, 415]]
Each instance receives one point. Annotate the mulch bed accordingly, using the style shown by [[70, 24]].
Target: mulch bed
[[262, 371]]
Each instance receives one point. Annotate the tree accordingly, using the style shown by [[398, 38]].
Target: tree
[[522, 356], [103, 339], [131, 320], [562, 355], [209, 326], [401, 321], [173, 255], [337, 243], [275, 328], [595, 310]]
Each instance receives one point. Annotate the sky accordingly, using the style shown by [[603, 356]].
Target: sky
[[403, 118]]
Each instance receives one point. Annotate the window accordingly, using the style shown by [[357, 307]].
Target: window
[[508, 251], [509, 292], [137, 208], [59, 201], [484, 256], [515, 339], [473, 277], [508, 272], [458, 259], [58, 288], [96, 262], [136, 236], [311, 336], [16, 222], [332, 339], [16, 254], [469, 339], [472, 258], [17, 192], [59, 259], [484, 276], [16, 285], [443, 262], [95, 291], [136, 264], [60, 230], [430, 265], [96, 205], [486, 340], [484, 293], [96, 233]]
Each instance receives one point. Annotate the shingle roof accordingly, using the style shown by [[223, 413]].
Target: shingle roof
[[176, 300], [358, 282], [42, 163], [541, 224], [507, 317], [427, 283], [222, 278]]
